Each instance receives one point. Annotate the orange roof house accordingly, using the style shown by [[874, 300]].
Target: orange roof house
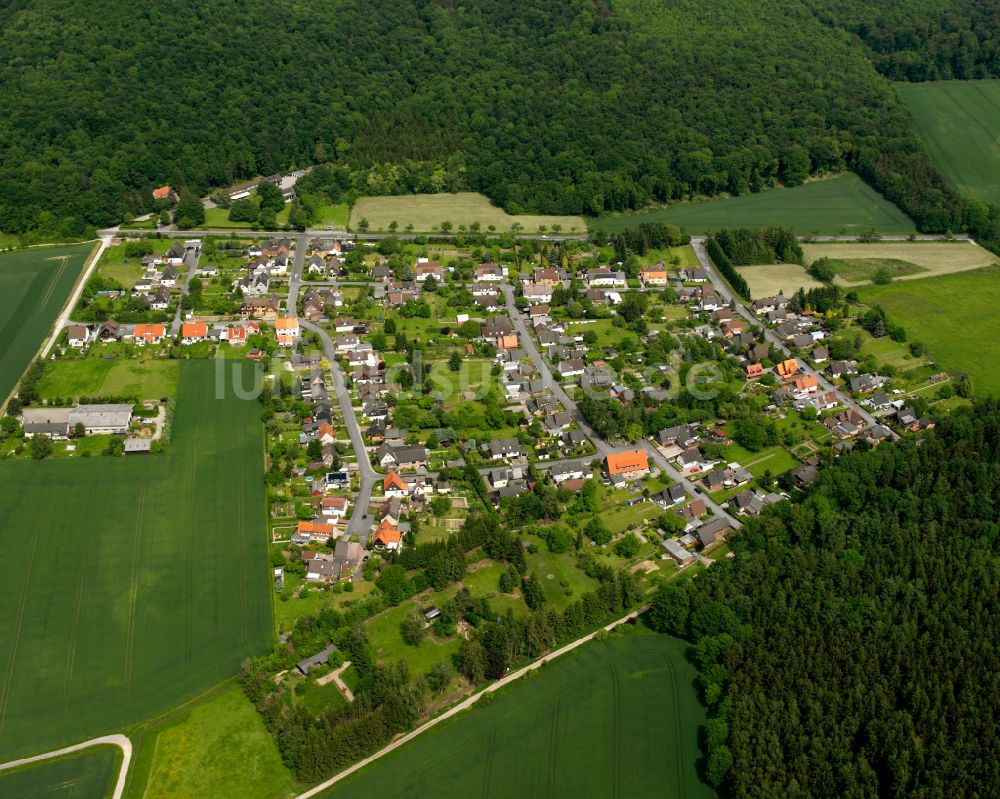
[[754, 370], [507, 342], [162, 193], [387, 535], [631, 463], [149, 334], [326, 433], [237, 335], [394, 481], [806, 383], [194, 331], [656, 275], [788, 369], [316, 529], [287, 324]]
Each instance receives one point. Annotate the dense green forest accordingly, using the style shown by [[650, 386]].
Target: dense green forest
[[852, 647], [917, 40], [545, 105]]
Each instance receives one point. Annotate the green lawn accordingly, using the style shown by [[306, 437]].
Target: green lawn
[[958, 120], [143, 585], [36, 284], [87, 775], [616, 718], [564, 582], [955, 316], [114, 264], [93, 377], [333, 216], [220, 748], [824, 206], [388, 644]]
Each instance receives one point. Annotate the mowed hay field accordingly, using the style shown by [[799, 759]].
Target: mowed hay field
[[87, 775], [955, 316], [34, 286], [426, 212], [767, 280], [842, 204], [958, 120], [615, 718], [932, 257], [132, 584]]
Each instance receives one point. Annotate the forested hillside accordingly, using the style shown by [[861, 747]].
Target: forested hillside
[[545, 105], [852, 647], [919, 40]]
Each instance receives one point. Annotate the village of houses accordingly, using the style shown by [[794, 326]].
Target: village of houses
[[369, 453]]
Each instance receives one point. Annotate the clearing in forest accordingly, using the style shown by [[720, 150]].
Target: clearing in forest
[[426, 213]]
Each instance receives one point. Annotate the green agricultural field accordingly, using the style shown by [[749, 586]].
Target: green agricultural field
[[145, 584], [955, 316], [219, 748], [958, 120], [426, 212], [35, 285], [616, 718], [824, 207], [95, 377], [87, 775]]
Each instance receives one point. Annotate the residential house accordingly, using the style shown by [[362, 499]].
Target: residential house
[[333, 507], [287, 331], [193, 332], [307, 531], [388, 536], [654, 275], [405, 457], [787, 369], [77, 336], [605, 278], [149, 334], [677, 552], [754, 370], [711, 532], [627, 465]]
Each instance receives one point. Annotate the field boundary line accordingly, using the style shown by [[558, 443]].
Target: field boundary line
[[616, 723], [678, 749], [78, 609], [121, 741], [553, 739], [466, 704]]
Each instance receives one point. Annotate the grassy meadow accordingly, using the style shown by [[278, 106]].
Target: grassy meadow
[[857, 262], [616, 718], [218, 747], [98, 377], [955, 316], [843, 204], [87, 775], [958, 121], [426, 212], [766, 280], [144, 585], [36, 283]]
